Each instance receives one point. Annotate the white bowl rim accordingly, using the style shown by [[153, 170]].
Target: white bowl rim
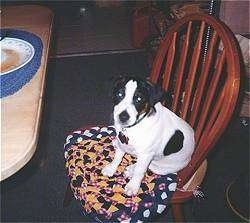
[[22, 64]]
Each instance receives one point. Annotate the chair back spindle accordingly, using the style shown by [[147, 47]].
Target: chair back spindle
[[203, 82]]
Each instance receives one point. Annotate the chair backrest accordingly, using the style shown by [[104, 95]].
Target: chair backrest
[[198, 64]]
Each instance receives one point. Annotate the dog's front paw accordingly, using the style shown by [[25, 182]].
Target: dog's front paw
[[132, 188], [109, 170], [129, 171]]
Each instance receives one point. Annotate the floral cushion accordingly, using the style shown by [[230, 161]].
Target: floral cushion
[[102, 197]]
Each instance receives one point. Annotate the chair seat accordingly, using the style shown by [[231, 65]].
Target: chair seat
[[187, 192], [86, 153], [182, 196]]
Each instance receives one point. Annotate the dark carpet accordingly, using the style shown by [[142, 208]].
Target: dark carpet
[[78, 94]]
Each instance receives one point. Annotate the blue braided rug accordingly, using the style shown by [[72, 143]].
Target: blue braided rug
[[14, 81]]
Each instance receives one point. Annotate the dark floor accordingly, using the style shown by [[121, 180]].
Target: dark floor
[[77, 94], [84, 29], [81, 28], [94, 31]]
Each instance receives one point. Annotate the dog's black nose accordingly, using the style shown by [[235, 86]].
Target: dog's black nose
[[124, 116]]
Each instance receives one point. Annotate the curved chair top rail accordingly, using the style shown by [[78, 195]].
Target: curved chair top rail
[[198, 64]]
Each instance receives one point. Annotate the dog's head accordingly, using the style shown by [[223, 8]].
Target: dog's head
[[133, 100]]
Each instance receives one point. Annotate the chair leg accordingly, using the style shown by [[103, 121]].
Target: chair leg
[[177, 212], [67, 196]]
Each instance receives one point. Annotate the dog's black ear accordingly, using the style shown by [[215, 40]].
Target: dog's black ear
[[119, 81], [166, 99], [155, 93], [114, 82]]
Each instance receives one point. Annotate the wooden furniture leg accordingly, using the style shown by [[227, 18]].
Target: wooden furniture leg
[[177, 212], [67, 196]]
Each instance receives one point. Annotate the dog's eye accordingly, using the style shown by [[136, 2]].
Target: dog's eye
[[138, 99], [120, 93]]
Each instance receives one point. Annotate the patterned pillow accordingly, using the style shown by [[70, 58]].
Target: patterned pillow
[[101, 197]]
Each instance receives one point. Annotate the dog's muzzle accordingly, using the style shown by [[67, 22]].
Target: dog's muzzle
[[124, 117]]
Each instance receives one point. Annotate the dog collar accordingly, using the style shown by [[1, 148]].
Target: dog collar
[[122, 137], [137, 121]]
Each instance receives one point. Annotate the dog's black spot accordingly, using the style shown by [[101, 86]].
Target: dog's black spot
[[175, 143]]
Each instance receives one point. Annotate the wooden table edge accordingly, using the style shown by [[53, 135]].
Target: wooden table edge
[[31, 148]]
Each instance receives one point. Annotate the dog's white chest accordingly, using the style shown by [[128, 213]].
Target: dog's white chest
[[140, 139], [127, 142]]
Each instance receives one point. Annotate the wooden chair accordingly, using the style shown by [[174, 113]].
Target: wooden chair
[[198, 64]]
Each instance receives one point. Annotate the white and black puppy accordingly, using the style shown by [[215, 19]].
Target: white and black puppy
[[159, 139]]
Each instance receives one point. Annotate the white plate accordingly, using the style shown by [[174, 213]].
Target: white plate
[[15, 53]]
